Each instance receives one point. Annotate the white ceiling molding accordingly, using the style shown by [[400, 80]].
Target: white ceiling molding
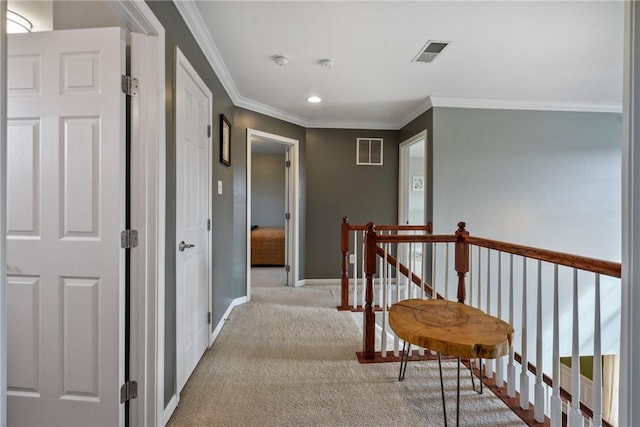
[[424, 106], [268, 110], [512, 104], [196, 24]]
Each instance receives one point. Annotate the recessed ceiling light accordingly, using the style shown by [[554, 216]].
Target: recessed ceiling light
[[314, 99]]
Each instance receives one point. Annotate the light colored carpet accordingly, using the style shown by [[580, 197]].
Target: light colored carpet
[[287, 358], [268, 277]]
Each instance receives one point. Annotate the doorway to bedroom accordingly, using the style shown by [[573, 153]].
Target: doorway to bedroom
[[272, 210]]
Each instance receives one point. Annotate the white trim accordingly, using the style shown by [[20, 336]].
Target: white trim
[[629, 392], [332, 282], [403, 186], [216, 332], [3, 218], [168, 411], [515, 104], [294, 250], [150, 183], [424, 106]]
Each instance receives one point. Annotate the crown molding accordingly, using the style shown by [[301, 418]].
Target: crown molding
[[513, 104], [191, 15], [268, 110]]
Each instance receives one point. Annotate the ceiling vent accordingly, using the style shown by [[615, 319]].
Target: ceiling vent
[[369, 151], [430, 51]]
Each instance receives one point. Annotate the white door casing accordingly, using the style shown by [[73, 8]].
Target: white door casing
[[405, 179], [293, 201], [65, 211], [194, 104]]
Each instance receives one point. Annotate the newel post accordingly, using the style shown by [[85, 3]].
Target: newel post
[[344, 300], [462, 260], [369, 315]]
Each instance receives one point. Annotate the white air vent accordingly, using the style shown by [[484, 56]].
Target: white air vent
[[430, 51], [369, 151]]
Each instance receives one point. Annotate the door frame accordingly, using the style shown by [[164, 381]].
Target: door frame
[[3, 208], [182, 61], [293, 147], [403, 176]]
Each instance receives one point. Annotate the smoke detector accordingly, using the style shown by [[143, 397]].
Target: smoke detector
[[281, 60], [326, 64], [429, 52]]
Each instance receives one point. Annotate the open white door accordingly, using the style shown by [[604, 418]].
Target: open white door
[[193, 163], [65, 212]]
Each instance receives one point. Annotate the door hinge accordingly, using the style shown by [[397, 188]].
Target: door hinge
[[128, 239], [208, 225], [128, 391], [129, 85], [209, 318], [208, 131], [287, 216], [287, 268], [287, 163]]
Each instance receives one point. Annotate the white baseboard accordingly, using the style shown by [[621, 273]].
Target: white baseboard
[[226, 314], [326, 282], [168, 411]]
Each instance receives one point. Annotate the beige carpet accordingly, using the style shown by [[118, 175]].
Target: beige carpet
[[287, 358]]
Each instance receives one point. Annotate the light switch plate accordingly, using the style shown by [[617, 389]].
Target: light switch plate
[[219, 187]]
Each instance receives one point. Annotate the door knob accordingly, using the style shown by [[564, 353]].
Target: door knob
[[182, 246]]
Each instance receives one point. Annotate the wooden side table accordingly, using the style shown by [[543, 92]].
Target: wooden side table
[[452, 328]]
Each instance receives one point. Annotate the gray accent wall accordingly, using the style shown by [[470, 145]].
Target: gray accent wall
[[545, 179], [268, 190], [337, 187]]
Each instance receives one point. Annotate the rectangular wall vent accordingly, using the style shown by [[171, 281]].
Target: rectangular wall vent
[[369, 151], [430, 51]]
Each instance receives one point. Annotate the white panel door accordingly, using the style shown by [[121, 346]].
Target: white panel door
[[193, 107], [65, 211]]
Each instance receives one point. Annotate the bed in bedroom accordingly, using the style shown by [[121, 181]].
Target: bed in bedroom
[[267, 246]]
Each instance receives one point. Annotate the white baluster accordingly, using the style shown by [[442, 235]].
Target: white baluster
[[597, 361], [383, 287], [488, 371], [479, 278], [471, 274], [500, 361], [355, 269], [556, 403], [364, 275], [396, 340], [511, 368], [409, 276], [424, 271], [538, 411], [446, 272], [575, 416], [434, 277], [524, 374]]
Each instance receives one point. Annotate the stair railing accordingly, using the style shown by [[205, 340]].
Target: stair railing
[[500, 283]]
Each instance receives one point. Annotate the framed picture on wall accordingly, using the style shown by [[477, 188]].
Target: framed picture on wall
[[225, 140], [417, 183]]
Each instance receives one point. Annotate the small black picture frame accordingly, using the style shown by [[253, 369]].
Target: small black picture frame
[[225, 141]]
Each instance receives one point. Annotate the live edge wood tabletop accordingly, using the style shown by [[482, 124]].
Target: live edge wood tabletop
[[451, 328]]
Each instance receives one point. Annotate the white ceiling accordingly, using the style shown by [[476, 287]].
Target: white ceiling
[[557, 55]]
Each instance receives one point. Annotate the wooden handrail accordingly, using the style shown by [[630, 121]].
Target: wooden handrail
[[593, 265], [405, 270]]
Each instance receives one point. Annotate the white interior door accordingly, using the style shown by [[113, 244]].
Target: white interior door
[[65, 211], [193, 160]]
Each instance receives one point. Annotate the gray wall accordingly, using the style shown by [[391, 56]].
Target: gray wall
[[544, 179], [225, 286], [268, 189], [336, 187]]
